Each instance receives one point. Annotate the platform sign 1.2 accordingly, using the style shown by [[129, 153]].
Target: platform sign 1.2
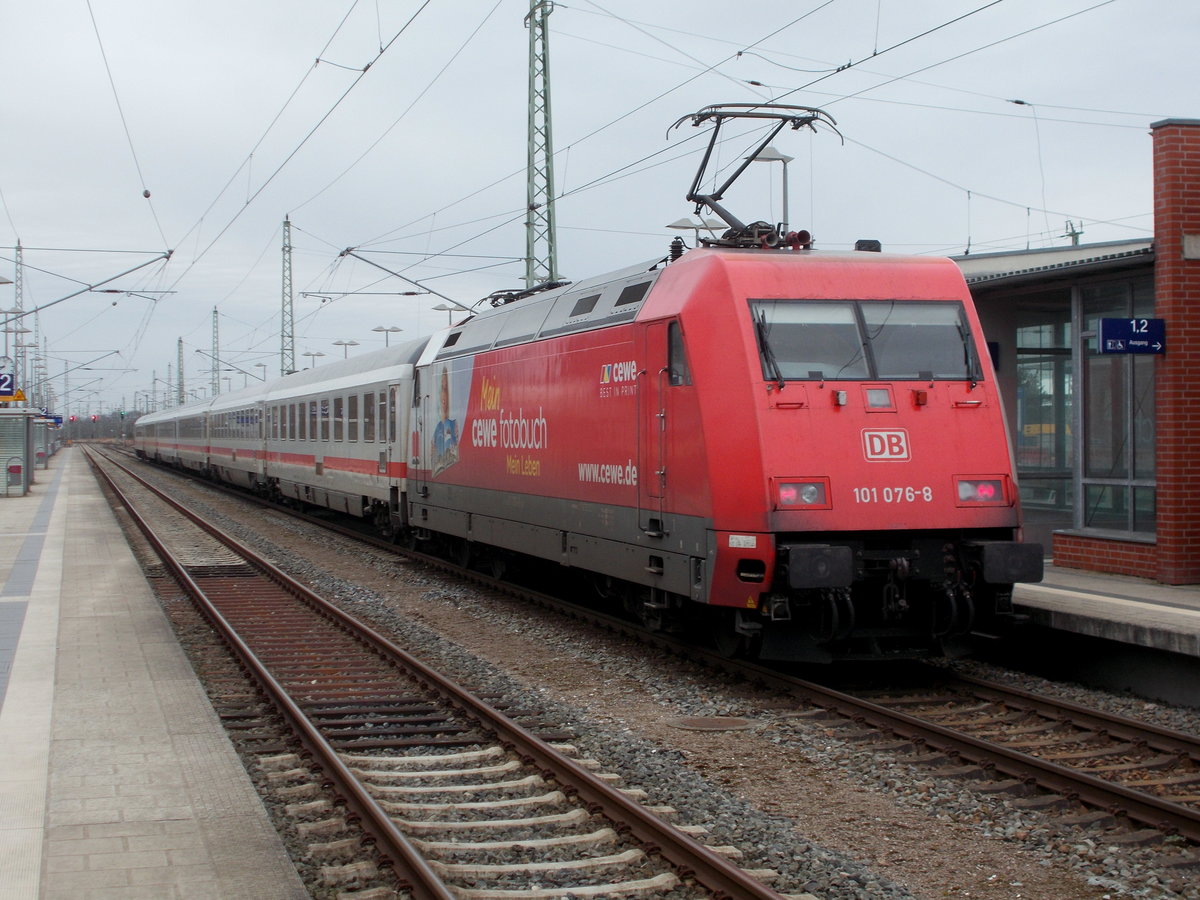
[[1133, 336]]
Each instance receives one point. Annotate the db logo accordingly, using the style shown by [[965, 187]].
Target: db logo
[[885, 445]]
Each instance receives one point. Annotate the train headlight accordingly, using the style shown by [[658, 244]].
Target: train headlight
[[981, 491], [809, 494]]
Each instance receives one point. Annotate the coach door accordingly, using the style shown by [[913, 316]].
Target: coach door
[[653, 423], [420, 430]]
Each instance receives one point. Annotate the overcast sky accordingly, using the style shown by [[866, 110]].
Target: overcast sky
[[235, 114]]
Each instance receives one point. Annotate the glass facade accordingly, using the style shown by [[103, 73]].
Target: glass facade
[[1085, 419], [1044, 438], [1119, 416]]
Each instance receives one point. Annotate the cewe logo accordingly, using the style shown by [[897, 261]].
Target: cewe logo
[[617, 372], [890, 446]]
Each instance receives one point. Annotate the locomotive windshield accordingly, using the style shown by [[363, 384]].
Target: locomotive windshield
[[864, 340]]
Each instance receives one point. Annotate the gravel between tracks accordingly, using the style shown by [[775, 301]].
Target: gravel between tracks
[[836, 817]]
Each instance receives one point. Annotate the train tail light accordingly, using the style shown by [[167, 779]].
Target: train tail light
[[802, 494], [981, 492]]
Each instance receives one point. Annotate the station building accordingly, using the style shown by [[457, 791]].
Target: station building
[[1107, 444]]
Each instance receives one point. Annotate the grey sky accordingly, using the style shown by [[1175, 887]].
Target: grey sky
[[424, 153]]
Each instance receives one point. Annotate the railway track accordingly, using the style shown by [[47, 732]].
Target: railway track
[[1129, 781], [1115, 765], [458, 798]]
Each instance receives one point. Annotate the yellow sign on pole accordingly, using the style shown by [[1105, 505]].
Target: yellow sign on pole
[[18, 397]]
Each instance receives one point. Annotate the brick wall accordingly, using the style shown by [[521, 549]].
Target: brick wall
[[1177, 300], [1075, 551]]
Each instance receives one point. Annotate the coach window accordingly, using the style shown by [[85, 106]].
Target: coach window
[[301, 421], [273, 417], [312, 420], [386, 425], [291, 422], [369, 417], [352, 417], [677, 365], [324, 418], [338, 433]]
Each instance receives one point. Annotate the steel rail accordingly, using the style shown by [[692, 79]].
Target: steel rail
[[690, 857], [1154, 736], [1165, 815], [398, 853]]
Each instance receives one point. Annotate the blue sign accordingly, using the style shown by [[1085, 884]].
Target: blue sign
[[1133, 336], [7, 384]]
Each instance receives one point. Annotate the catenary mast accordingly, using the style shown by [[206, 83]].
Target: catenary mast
[[287, 331], [541, 254], [216, 356]]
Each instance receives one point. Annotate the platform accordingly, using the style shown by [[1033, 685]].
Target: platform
[[118, 781], [1126, 610]]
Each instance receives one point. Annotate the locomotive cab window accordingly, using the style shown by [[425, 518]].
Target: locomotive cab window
[[677, 364], [857, 340]]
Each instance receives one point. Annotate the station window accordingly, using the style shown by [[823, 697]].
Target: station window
[[1118, 473], [1045, 432]]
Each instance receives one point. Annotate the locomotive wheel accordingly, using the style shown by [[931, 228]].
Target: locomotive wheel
[[728, 640], [729, 644]]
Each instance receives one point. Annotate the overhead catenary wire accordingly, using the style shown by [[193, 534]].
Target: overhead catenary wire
[[428, 87], [616, 174], [304, 140], [125, 125], [246, 163], [957, 56]]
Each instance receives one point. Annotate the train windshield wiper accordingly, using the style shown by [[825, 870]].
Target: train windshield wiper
[[768, 355], [968, 357]]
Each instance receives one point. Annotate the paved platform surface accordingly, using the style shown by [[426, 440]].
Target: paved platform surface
[[117, 779], [1128, 610]]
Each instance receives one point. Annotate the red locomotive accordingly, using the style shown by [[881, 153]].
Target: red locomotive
[[800, 453]]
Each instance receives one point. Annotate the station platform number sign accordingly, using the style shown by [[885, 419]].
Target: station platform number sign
[[1133, 336], [8, 382]]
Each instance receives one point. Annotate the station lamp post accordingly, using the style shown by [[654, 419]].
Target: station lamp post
[[313, 356], [345, 345], [388, 331], [695, 226], [770, 154]]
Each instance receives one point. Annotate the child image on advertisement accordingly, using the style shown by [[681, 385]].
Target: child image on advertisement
[[445, 435]]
